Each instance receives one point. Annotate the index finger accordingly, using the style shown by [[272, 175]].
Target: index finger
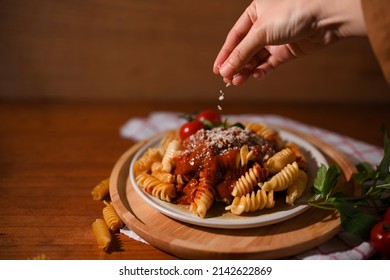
[[234, 37]]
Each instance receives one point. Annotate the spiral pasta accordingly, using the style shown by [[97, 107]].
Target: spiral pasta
[[101, 190], [283, 179], [102, 234], [204, 196], [252, 202], [168, 137], [168, 159], [156, 187], [250, 179], [144, 163], [266, 132], [241, 167], [165, 177], [244, 156], [111, 217], [279, 160], [297, 188], [299, 157]]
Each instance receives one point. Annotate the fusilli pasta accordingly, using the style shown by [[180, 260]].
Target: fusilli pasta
[[283, 179], [111, 217], [240, 167], [252, 202], [244, 156], [250, 179], [204, 196], [170, 153], [265, 131], [297, 188], [144, 163], [102, 234], [156, 187], [279, 160], [101, 190]]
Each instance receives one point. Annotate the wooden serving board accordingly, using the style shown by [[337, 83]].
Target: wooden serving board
[[303, 232]]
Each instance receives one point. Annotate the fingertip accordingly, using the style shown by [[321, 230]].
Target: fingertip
[[240, 78], [259, 74], [216, 68], [226, 70], [228, 82]]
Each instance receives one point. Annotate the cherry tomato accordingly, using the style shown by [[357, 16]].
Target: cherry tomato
[[209, 115], [190, 128], [380, 238]]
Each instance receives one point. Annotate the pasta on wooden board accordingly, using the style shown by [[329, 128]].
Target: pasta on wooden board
[[279, 160], [164, 176], [251, 178], [168, 137], [241, 167], [297, 188], [169, 155], [144, 163], [156, 187], [282, 179], [244, 157], [299, 157], [265, 131], [252, 202], [204, 196], [203, 200]]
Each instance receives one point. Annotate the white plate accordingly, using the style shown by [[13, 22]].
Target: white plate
[[217, 217]]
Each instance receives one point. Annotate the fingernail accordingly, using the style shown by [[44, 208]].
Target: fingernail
[[225, 70], [259, 75], [228, 82]]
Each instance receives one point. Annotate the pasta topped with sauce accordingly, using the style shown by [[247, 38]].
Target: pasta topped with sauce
[[241, 166]]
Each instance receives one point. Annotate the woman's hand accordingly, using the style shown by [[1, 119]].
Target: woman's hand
[[272, 32]]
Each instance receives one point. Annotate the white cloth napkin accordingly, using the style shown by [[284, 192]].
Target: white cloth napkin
[[343, 245]]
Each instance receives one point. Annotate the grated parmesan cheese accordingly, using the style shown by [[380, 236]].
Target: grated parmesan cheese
[[222, 139], [221, 97]]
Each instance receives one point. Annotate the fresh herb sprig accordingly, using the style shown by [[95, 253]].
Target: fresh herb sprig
[[358, 213]]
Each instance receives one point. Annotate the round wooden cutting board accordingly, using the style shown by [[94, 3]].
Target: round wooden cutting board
[[296, 235]]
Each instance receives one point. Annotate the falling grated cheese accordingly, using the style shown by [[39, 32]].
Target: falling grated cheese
[[221, 97]]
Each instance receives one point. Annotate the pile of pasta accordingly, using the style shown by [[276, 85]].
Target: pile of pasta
[[102, 227], [255, 179]]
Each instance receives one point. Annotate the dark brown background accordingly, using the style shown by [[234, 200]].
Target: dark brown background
[[160, 50], [73, 72]]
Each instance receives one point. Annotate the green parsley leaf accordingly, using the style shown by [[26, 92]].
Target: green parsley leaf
[[320, 179], [358, 213], [365, 173], [355, 220], [326, 180]]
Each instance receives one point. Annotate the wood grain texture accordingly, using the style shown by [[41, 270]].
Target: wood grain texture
[[158, 50], [296, 235], [53, 153]]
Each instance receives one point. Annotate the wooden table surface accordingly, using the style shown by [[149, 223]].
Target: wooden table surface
[[53, 154]]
